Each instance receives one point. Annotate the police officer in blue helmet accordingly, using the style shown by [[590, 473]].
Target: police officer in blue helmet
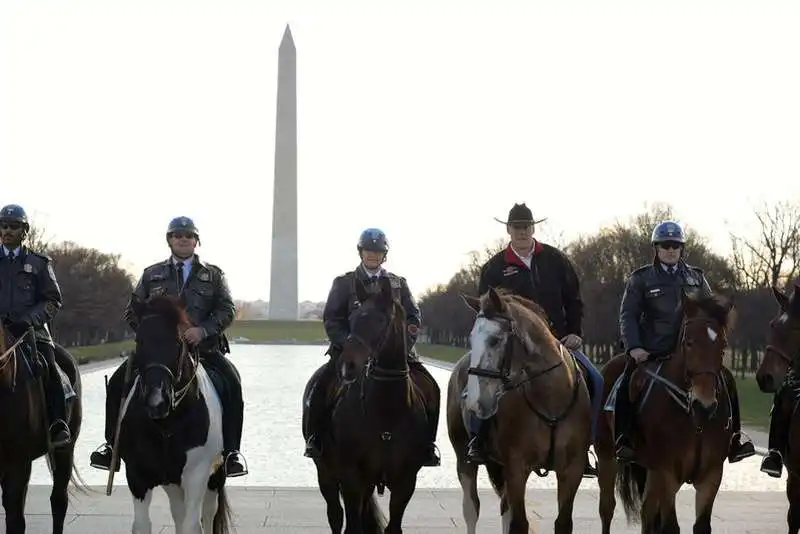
[[210, 308], [30, 298], [649, 326], [373, 247]]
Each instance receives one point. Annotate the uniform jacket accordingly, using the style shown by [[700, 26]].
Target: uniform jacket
[[29, 292], [342, 301], [649, 316], [209, 304]]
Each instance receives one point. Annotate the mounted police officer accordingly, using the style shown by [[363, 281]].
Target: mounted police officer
[[210, 307], [649, 325], [372, 249], [30, 297], [543, 274]]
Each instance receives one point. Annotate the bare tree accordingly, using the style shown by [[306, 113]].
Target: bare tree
[[771, 259], [37, 239]]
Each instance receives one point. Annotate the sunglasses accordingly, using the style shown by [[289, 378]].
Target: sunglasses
[[10, 226], [521, 225], [670, 245], [182, 235]]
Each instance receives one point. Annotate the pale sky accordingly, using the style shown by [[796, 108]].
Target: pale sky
[[426, 119]]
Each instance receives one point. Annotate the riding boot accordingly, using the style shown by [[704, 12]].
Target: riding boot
[[57, 404], [101, 458], [739, 450], [232, 416], [623, 416], [475, 453], [432, 458], [772, 464], [318, 412]]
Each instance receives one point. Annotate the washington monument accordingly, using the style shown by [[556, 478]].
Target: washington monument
[[283, 274]]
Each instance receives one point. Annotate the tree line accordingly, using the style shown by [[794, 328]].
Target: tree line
[[604, 260], [95, 290]]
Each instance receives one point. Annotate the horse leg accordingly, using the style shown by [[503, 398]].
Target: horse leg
[[606, 476], [569, 480], [793, 494], [59, 499], [658, 509], [210, 507], [705, 493], [195, 485], [329, 488], [141, 514], [401, 494], [14, 484], [175, 496], [353, 507], [516, 476], [470, 503]]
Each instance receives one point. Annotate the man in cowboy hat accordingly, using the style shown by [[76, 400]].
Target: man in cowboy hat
[[543, 274]]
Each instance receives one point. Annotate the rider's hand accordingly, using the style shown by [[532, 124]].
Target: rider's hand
[[639, 355], [193, 335], [572, 341]]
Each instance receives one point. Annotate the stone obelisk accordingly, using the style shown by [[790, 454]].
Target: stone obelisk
[[283, 275]]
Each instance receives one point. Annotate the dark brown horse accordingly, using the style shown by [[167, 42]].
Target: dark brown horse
[[779, 368], [24, 434], [378, 426], [530, 390], [683, 430]]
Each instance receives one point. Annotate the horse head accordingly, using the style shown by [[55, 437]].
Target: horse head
[[161, 356], [377, 335], [783, 342], [510, 342], [703, 339]]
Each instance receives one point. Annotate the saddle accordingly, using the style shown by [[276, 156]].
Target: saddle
[[641, 383], [36, 368]]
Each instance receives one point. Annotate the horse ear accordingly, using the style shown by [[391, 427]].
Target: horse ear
[[783, 300], [473, 302], [495, 301], [386, 288], [361, 291]]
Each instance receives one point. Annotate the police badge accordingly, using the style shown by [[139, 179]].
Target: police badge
[[28, 268]]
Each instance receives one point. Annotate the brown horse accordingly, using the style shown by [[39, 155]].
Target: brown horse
[[684, 424], [24, 434], [378, 426], [778, 374], [530, 391]]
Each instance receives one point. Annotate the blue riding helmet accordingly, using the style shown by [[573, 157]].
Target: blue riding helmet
[[14, 213], [668, 231], [182, 224], [374, 240]]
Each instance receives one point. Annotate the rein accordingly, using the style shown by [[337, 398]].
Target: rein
[[9, 357]]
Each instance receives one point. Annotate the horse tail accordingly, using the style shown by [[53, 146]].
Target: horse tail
[[222, 519], [79, 483], [374, 520], [631, 479]]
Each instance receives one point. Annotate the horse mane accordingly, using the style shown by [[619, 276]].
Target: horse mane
[[718, 307], [526, 313], [170, 308]]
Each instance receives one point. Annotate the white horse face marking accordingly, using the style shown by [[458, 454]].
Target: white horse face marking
[[487, 345], [712, 334]]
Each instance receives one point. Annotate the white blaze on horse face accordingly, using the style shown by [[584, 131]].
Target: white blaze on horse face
[[712, 334], [485, 353]]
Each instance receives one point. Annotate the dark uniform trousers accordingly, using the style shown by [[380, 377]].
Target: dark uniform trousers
[[231, 398], [54, 391]]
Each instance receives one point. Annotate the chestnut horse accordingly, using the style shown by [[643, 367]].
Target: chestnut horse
[[529, 389], [683, 424], [778, 374], [24, 428]]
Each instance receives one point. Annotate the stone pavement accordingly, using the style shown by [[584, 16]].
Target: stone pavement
[[260, 510]]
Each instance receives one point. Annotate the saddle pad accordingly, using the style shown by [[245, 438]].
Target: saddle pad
[[612, 395]]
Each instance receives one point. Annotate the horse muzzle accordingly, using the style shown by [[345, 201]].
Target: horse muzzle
[[157, 403]]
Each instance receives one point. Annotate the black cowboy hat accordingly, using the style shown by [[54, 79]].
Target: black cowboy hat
[[520, 213]]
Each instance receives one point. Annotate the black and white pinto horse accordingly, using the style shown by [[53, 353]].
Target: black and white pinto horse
[[170, 426]]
